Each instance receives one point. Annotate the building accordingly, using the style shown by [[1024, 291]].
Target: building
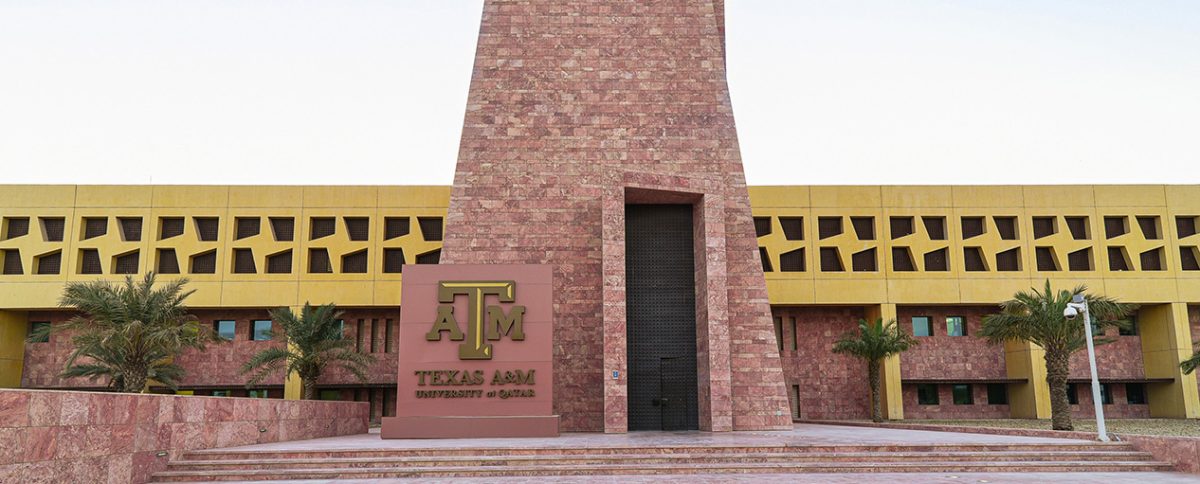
[[599, 138], [926, 256]]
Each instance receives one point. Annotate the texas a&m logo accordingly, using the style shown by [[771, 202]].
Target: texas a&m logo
[[484, 322]]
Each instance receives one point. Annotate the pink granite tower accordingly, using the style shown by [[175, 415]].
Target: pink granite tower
[[580, 112]]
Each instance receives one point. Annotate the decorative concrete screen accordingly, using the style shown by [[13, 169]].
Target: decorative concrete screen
[[476, 353]]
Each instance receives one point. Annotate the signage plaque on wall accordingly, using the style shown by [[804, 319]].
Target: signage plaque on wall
[[475, 352]]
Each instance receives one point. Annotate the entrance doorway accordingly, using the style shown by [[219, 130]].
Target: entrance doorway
[[660, 306]]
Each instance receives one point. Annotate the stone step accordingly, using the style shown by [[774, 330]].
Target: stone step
[[655, 469], [215, 454], [548, 460]]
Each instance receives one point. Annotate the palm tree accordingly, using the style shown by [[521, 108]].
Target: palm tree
[[1189, 365], [873, 342], [314, 341], [128, 333], [1037, 317]]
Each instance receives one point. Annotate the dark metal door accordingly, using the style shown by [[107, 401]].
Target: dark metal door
[[660, 298]]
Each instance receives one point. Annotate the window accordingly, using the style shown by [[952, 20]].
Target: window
[[168, 263], [431, 228], [828, 227], [226, 329], [922, 326], [1006, 227], [393, 261], [762, 226], [15, 227], [40, 330], [126, 263], [222, 393], [795, 341], [864, 261], [1152, 260], [793, 227], [794, 394], [779, 332], [341, 332], [1118, 259], [94, 227], [207, 228], [1135, 393], [956, 326], [89, 261], [355, 263], [938, 260], [395, 227], [792, 261], [927, 394], [864, 227], [329, 395], [972, 227], [204, 263], [1009, 260], [902, 260], [1072, 394], [973, 259], [322, 227], [284, 228], [1078, 226], [962, 394], [264, 393], [901, 226], [358, 228], [280, 263], [1044, 227], [1080, 260], [1185, 226], [997, 394], [766, 259], [52, 228], [246, 227], [831, 261], [1132, 330], [12, 262], [431, 257], [388, 337], [1188, 259], [170, 227], [131, 228], [935, 227], [243, 261], [260, 330], [1046, 261], [49, 263], [1115, 227], [1149, 226], [1106, 394], [318, 261]]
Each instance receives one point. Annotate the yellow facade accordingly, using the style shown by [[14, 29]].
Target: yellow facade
[[1078, 218]]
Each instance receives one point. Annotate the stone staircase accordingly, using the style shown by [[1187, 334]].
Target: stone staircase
[[248, 465]]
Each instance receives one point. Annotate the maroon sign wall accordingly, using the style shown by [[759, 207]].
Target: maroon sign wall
[[462, 375]]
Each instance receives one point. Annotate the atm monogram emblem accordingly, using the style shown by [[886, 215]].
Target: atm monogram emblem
[[484, 323]]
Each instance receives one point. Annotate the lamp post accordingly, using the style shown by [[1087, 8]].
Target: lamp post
[[1077, 305]]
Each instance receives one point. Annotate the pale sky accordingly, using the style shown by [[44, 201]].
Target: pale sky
[[373, 92]]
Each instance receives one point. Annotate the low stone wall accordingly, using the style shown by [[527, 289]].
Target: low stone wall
[[68, 436], [1182, 452]]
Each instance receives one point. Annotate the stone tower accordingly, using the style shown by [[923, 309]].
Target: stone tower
[[577, 109]]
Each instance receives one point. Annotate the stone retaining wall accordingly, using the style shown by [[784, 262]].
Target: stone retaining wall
[[69, 436]]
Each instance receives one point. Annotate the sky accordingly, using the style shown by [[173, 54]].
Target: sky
[[824, 92]]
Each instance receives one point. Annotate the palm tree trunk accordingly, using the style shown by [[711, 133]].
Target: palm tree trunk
[[308, 389], [134, 379], [873, 380], [1057, 371]]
